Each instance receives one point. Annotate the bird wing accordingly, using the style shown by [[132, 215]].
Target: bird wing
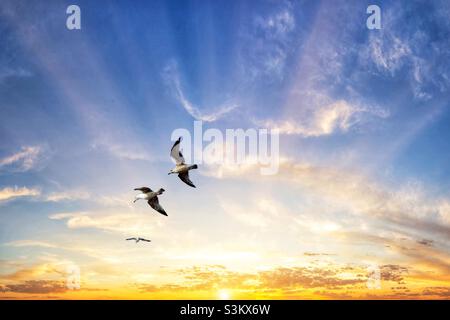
[[144, 189], [142, 239], [154, 203], [184, 176], [175, 152], [131, 239]]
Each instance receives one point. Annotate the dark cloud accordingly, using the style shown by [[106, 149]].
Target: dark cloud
[[36, 286], [289, 280], [441, 292], [425, 242], [315, 254], [392, 272], [42, 287]]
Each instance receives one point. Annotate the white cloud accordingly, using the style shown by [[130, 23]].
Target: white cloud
[[8, 72], [389, 53], [268, 43], [68, 196], [122, 152], [130, 224], [405, 208], [30, 243], [172, 78], [23, 160], [9, 193], [400, 49], [278, 24], [323, 120]]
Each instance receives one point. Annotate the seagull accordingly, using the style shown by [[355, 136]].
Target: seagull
[[151, 197], [139, 239], [181, 168]]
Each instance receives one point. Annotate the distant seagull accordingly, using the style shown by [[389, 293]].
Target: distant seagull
[[139, 239], [151, 197], [181, 168]]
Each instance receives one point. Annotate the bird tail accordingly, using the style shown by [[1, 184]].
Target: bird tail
[[160, 191], [193, 167]]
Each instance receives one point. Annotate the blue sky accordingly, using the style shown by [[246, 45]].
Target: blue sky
[[87, 115]]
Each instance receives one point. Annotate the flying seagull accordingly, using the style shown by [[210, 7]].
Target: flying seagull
[[139, 239], [181, 168], [151, 197]]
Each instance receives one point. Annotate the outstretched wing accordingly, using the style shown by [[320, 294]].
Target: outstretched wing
[[175, 152], [154, 203], [142, 239], [185, 178], [144, 189], [131, 239]]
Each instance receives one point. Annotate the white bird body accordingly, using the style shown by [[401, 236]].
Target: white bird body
[[151, 197], [145, 196], [181, 168]]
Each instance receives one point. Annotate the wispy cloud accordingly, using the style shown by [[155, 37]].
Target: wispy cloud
[[68, 196], [172, 78], [399, 49], [25, 159], [268, 42], [9, 72], [123, 223], [323, 118], [30, 243], [121, 151], [332, 280], [9, 193], [37, 287], [407, 209], [336, 117]]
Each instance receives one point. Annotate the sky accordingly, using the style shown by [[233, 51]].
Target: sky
[[364, 178]]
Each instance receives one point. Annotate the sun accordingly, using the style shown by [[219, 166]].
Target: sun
[[223, 294]]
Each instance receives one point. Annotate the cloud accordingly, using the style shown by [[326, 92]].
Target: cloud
[[362, 211], [36, 286], [440, 292], [393, 273], [280, 279], [113, 222], [325, 121], [314, 113], [340, 281], [400, 49], [68, 196], [316, 254], [7, 73], [25, 159], [425, 242], [268, 41], [30, 243], [9, 193], [39, 271], [389, 54], [172, 79], [120, 151]]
